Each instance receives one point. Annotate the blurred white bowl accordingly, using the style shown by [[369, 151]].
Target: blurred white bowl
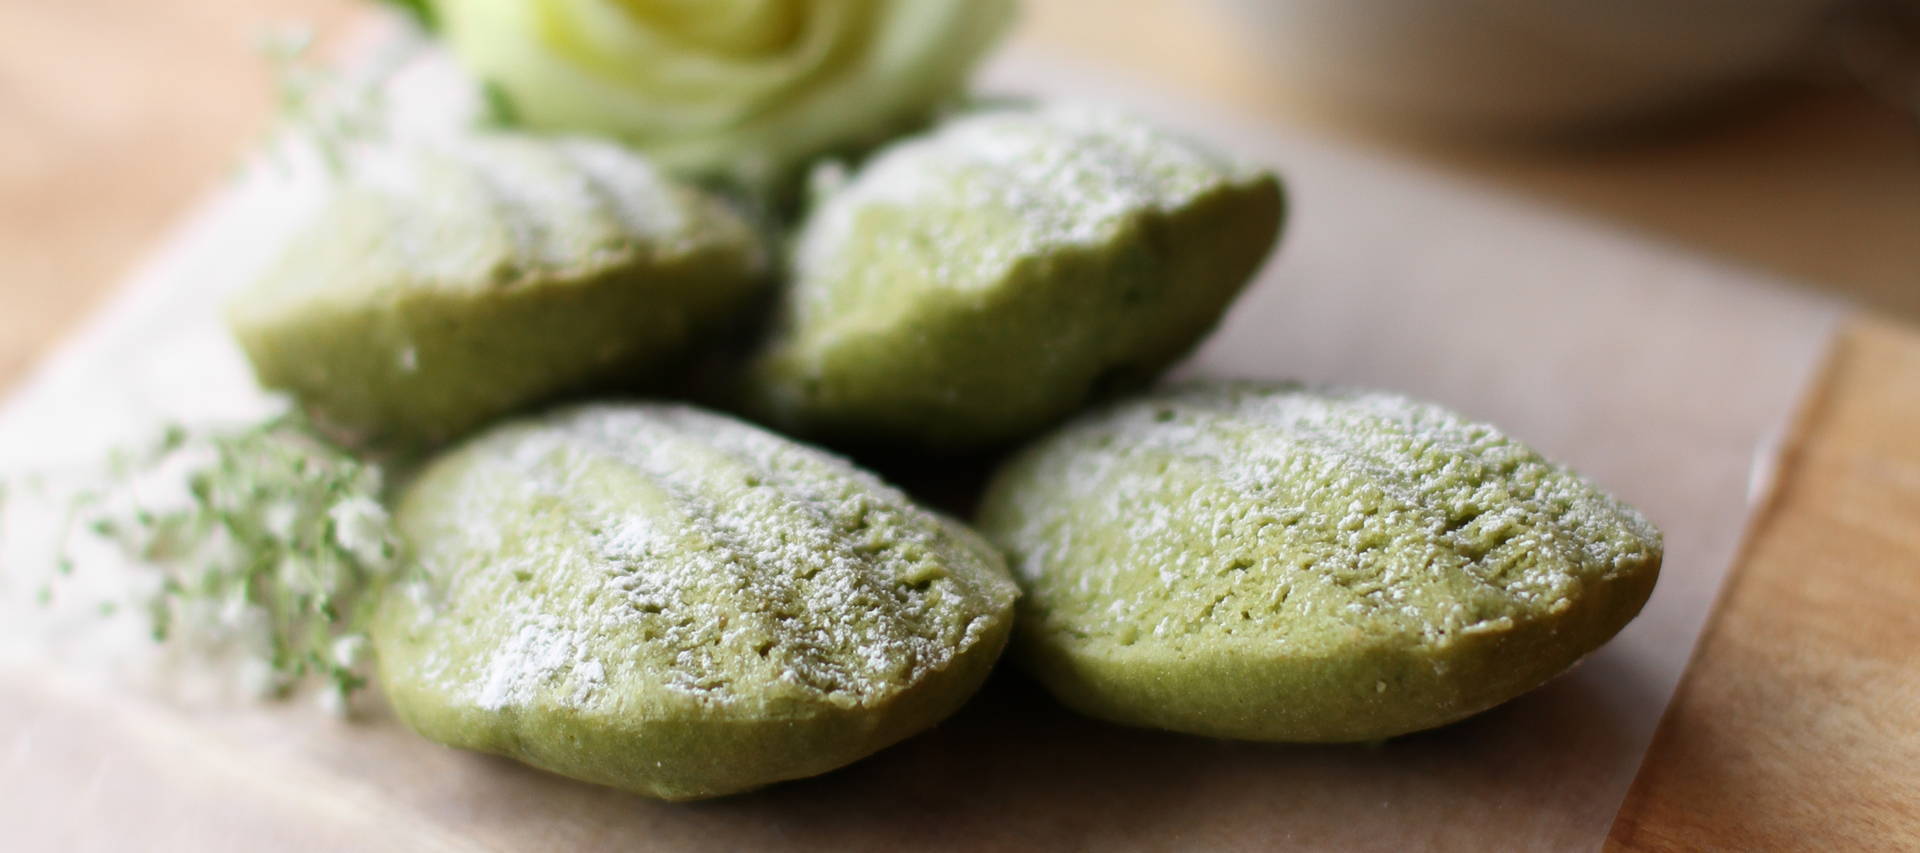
[[1528, 66]]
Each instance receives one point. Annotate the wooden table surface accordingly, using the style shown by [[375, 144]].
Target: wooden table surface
[[1798, 724]]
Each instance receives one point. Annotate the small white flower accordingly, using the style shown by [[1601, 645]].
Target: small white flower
[[360, 527], [279, 519], [333, 702], [350, 651]]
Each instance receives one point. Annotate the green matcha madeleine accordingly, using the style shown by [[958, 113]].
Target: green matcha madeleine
[[443, 284], [1284, 563], [678, 604], [975, 284]]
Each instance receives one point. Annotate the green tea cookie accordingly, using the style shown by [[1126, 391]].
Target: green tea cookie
[[443, 286], [679, 604], [1273, 562], [978, 283]]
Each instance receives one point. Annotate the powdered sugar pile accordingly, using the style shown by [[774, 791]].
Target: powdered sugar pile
[[539, 651]]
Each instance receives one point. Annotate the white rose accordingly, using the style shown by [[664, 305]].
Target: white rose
[[747, 89]]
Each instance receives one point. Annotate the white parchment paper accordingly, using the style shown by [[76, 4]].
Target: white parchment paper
[[1665, 377]]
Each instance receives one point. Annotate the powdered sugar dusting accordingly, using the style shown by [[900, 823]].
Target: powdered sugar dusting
[[1236, 507], [985, 191], [477, 210], [665, 548]]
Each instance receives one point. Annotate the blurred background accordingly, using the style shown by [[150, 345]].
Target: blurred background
[[1780, 135]]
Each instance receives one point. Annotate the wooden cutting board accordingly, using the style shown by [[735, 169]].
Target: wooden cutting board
[[1796, 723]]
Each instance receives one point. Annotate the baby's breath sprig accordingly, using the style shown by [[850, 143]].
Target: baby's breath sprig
[[314, 107], [331, 112], [267, 538]]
